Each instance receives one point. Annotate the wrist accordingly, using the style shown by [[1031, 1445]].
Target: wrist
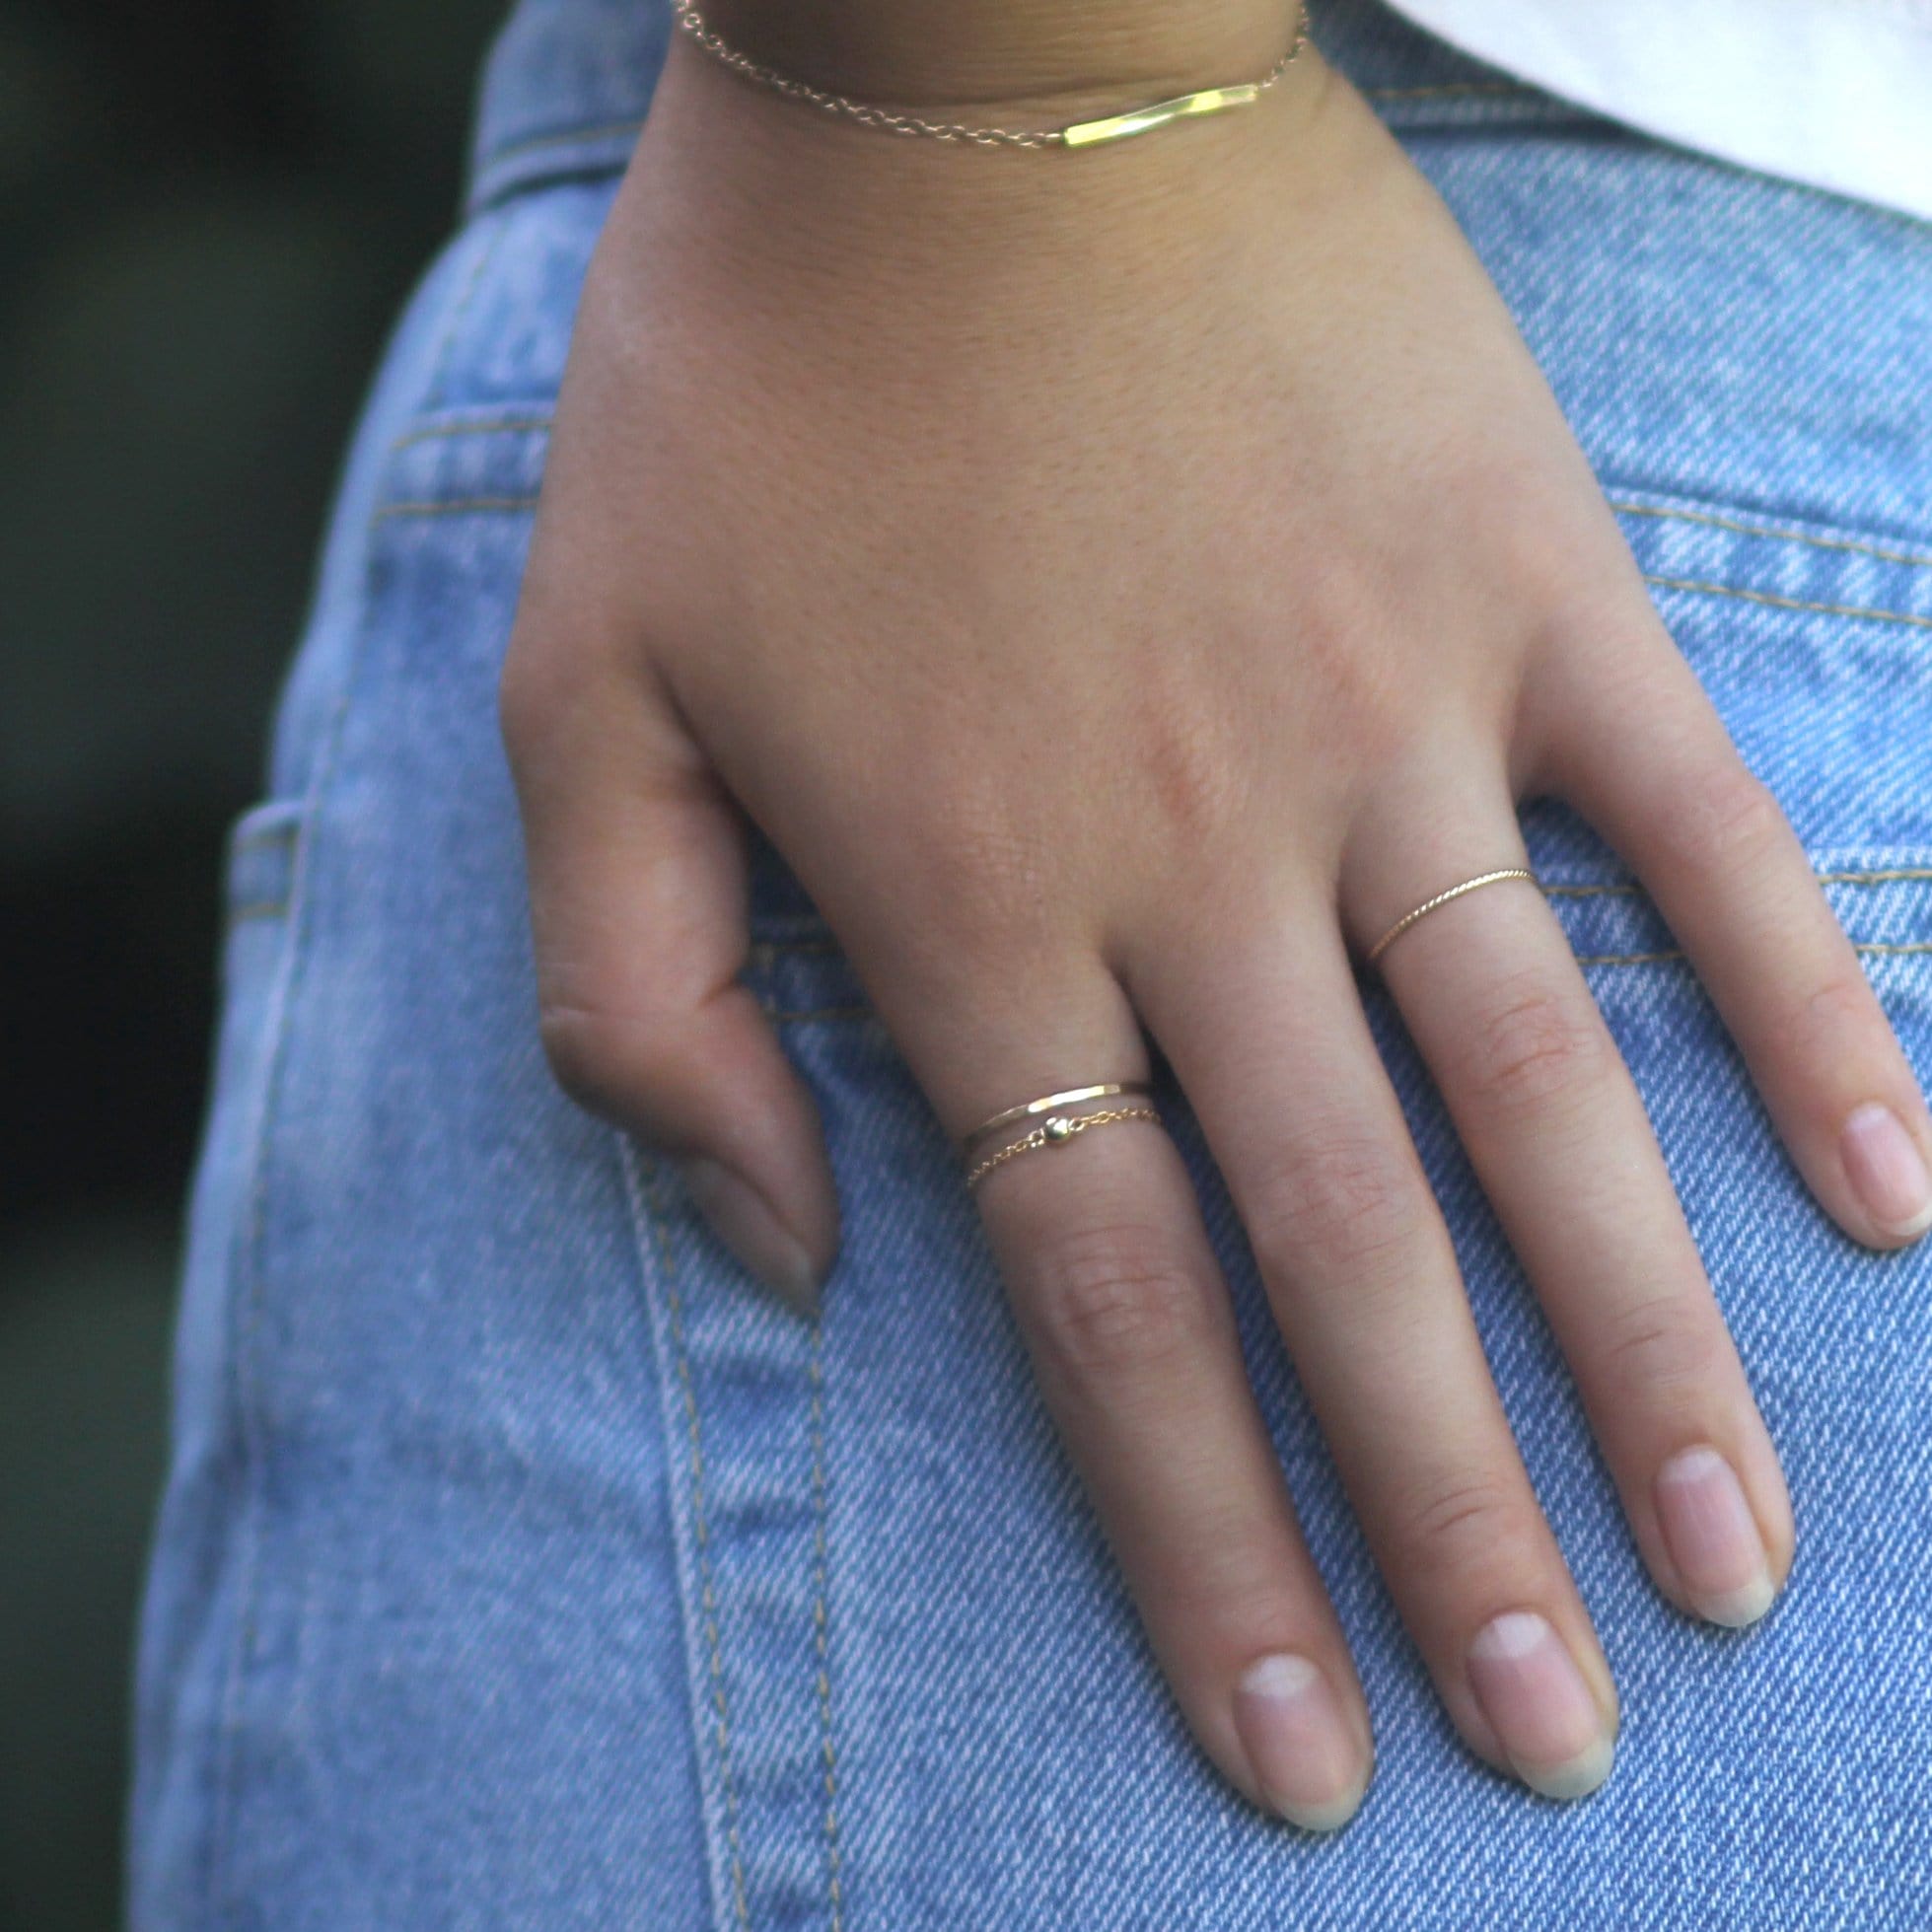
[[781, 190], [1077, 55]]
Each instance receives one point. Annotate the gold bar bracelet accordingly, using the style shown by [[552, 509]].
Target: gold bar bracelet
[[1143, 120]]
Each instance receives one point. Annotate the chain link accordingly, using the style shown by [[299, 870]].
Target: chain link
[[690, 19], [1056, 1133]]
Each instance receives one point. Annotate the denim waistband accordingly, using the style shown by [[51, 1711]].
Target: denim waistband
[[568, 81]]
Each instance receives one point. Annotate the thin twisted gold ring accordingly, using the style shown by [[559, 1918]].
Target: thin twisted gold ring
[[1429, 905]]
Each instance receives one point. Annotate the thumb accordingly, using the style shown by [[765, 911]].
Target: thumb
[[637, 882]]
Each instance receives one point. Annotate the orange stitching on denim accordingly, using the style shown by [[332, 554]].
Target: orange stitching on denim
[[567, 138], [1882, 948], [700, 1522], [1918, 559], [260, 908], [487, 426], [1885, 877], [1790, 602], [821, 1625], [459, 506], [1890, 875]]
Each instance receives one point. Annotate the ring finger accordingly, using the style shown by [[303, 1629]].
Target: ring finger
[[1132, 1336]]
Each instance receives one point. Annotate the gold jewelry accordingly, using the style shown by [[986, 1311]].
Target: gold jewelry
[[1082, 134], [1428, 905], [1055, 1131], [1027, 1111]]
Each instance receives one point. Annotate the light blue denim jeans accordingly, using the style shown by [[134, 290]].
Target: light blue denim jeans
[[522, 1566]]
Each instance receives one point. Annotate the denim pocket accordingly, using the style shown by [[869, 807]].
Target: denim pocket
[[258, 887]]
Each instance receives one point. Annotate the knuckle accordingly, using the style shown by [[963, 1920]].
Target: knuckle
[[606, 1062], [1462, 1521], [1339, 1202], [1820, 1025], [1117, 1302], [576, 1044], [1357, 681], [1656, 1349], [1534, 1045], [1188, 760], [1721, 817]]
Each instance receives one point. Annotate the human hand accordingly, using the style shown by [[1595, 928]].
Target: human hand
[[1120, 586]]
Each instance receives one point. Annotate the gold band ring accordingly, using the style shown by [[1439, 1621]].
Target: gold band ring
[[1025, 1112], [1055, 1131], [1428, 905]]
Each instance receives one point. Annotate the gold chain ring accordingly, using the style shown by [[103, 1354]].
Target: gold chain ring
[[1056, 1130]]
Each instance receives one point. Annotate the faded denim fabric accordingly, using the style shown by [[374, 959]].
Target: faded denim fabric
[[521, 1566]]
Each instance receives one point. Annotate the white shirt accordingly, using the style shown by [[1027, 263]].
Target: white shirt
[[1837, 93]]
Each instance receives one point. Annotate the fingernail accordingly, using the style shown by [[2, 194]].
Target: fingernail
[[738, 1214], [1713, 1537], [1544, 1717], [1297, 1740], [1887, 1170]]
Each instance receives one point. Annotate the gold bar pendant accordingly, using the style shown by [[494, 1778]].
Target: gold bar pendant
[[1143, 120]]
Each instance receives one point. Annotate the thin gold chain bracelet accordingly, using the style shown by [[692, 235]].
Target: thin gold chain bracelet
[[1081, 134]]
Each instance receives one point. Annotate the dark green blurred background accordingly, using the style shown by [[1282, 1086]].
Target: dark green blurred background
[[209, 210]]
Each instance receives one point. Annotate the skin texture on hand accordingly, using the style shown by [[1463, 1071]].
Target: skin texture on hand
[[990, 53], [1122, 586]]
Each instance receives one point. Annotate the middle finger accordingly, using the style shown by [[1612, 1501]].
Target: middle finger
[[1557, 1134], [1268, 1038]]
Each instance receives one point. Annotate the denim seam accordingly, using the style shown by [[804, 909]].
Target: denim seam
[[1883, 949], [652, 1239], [459, 506], [249, 1273], [246, 1317], [563, 137], [260, 908], [484, 426], [1789, 602], [1774, 533], [242, 1323], [1882, 876], [460, 313], [821, 1627]]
